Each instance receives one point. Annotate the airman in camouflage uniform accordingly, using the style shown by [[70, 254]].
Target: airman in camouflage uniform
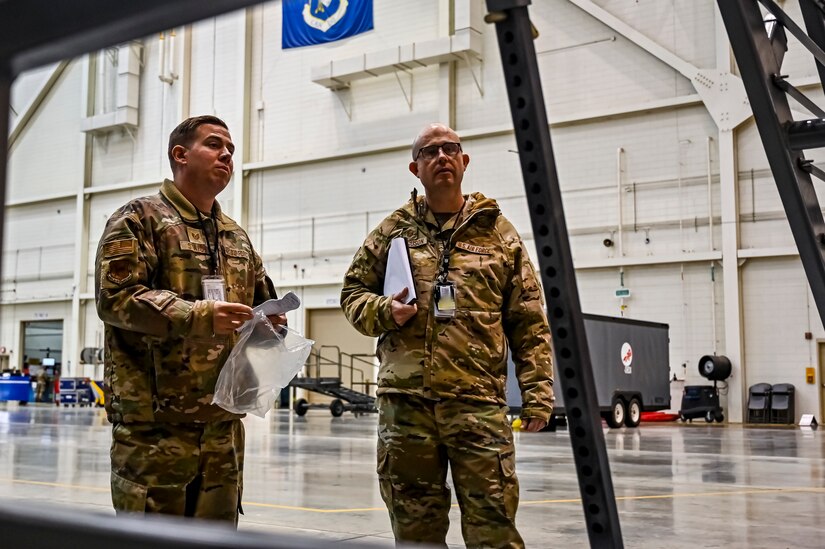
[[173, 451], [441, 383]]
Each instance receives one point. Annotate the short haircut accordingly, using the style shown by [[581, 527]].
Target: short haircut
[[184, 134]]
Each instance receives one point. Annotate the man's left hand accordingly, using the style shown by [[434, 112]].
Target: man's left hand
[[533, 424]]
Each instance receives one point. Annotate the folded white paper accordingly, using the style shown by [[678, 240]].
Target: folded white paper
[[289, 302], [399, 272]]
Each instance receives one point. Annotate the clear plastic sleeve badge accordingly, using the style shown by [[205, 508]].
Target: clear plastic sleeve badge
[[264, 361]]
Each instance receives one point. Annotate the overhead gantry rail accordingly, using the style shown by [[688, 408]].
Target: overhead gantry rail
[[759, 45]]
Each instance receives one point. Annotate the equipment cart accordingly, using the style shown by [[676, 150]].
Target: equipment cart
[[329, 359]]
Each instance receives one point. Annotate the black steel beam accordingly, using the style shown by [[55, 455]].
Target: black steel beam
[[795, 29], [45, 527], [36, 32], [815, 25], [5, 98], [802, 99], [758, 68], [541, 183], [806, 134]]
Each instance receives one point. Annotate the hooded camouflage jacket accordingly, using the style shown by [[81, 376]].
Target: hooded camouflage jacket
[[498, 302], [161, 358]]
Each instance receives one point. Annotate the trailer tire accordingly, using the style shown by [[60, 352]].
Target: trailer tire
[[301, 406], [336, 407], [617, 414], [634, 413]]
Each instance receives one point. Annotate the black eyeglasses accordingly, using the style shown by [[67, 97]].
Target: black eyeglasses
[[431, 151]]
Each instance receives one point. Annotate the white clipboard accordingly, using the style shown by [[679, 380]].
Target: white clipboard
[[399, 272]]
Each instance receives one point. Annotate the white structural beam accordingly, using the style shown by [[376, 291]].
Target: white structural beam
[[722, 92], [240, 208], [663, 54], [731, 280], [34, 103]]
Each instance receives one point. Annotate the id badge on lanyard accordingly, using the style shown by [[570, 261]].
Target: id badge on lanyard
[[444, 295], [214, 288], [444, 290]]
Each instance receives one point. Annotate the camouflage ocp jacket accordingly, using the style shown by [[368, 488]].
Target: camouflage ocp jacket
[[161, 358], [498, 303]]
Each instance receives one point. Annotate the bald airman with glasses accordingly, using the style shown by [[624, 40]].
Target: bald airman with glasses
[[443, 355]]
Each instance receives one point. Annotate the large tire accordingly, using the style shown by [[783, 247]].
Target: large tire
[[634, 413], [616, 416], [301, 406], [336, 407]]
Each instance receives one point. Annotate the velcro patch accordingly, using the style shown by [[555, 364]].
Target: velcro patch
[[483, 250], [119, 271], [236, 252], [158, 299], [194, 247], [115, 248], [195, 235], [416, 242]]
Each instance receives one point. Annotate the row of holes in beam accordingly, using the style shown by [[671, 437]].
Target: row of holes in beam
[[550, 273]]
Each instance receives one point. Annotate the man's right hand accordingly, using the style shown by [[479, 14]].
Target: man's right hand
[[227, 317], [401, 312]]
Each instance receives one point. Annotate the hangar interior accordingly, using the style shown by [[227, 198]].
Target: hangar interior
[[671, 207]]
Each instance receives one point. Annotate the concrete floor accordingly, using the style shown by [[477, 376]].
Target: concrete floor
[[694, 485]]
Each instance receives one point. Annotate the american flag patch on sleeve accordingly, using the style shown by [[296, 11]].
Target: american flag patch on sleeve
[[119, 247]]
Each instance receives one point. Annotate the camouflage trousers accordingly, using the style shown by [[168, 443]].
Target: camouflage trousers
[[193, 470], [417, 439]]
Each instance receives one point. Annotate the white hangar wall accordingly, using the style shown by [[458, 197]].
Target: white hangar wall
[[698, 232]]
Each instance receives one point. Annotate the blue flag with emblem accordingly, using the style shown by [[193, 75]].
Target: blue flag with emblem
[[310, 22]]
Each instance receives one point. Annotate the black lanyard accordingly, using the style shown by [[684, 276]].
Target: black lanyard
[[444, 263], [213, 254]]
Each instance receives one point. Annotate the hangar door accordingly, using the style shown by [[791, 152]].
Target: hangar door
[[337, 341]]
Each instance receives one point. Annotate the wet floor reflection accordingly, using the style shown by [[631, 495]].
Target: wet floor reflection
[[676, 485]]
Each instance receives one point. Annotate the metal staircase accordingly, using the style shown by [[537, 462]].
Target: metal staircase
[[345, 397]]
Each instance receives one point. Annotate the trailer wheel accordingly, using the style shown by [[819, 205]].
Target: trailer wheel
[[301, 406], [616, 416], [634, 413], [336, 407]]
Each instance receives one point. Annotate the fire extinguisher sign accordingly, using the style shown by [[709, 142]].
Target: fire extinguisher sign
[[627, 357]]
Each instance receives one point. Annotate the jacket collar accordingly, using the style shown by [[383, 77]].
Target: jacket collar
[[476, 203], [188, 212]]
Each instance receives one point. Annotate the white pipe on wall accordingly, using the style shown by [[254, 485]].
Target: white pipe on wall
[[710, 202], [172, 74], [619, 239], [161, 58]]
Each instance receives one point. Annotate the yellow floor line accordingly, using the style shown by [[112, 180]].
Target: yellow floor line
[[757, 491]]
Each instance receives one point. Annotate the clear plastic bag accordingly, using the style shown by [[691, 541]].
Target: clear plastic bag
[[264, 361]]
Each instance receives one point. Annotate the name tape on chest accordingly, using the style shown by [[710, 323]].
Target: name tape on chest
[[472, 248], [416, 242], [236, 252], [196, 247]]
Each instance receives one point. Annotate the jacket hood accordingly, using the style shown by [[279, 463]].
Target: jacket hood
[[475, 202]]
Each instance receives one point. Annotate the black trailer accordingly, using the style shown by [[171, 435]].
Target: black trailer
[[630, 365]]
